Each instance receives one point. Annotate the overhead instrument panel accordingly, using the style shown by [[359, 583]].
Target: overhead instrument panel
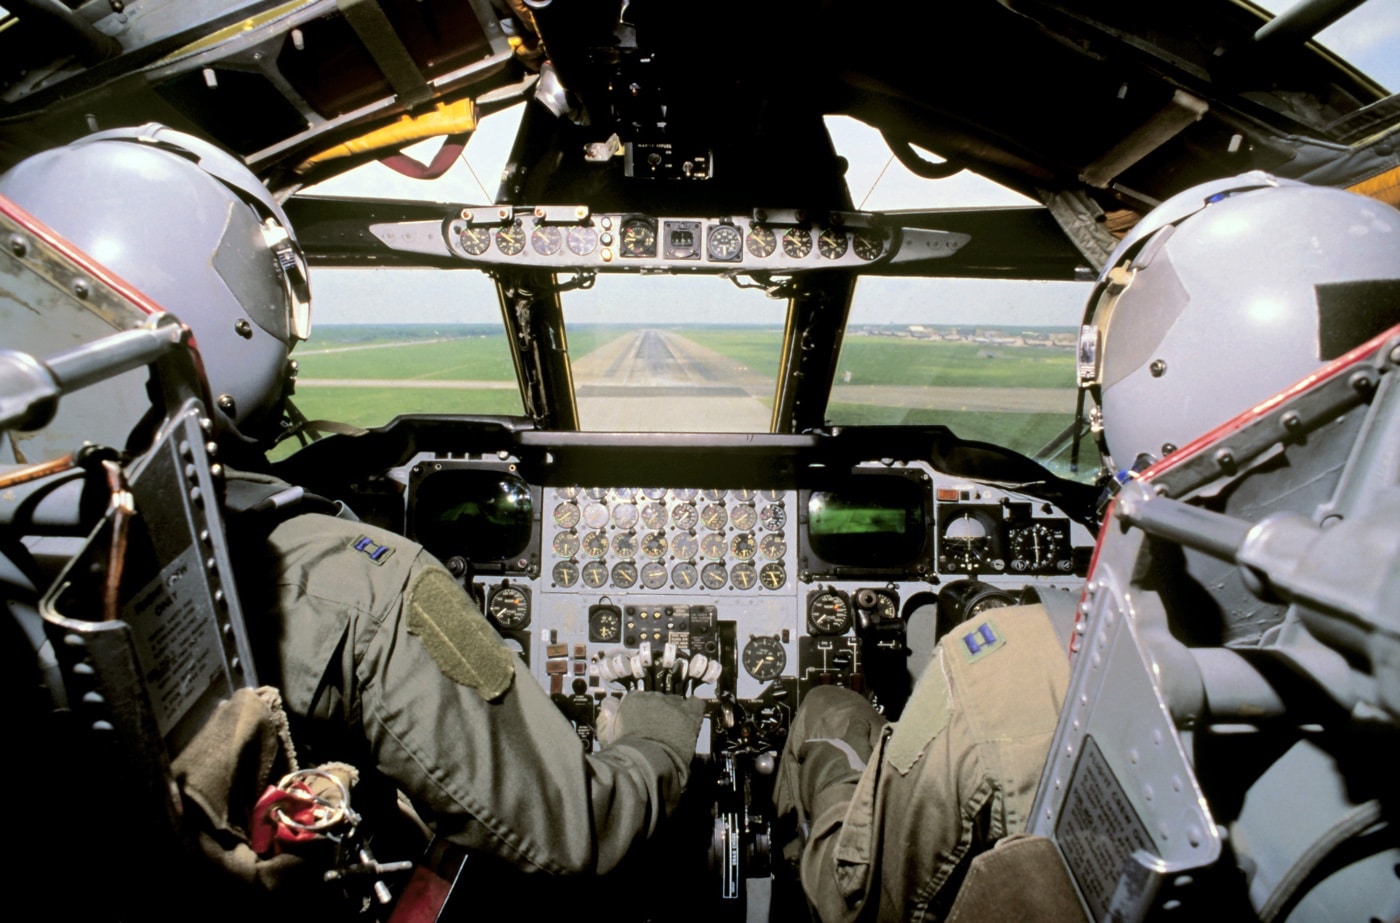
[[572, 237]]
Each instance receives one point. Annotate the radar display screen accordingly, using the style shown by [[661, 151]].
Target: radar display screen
[[479, 514], [869, 523]]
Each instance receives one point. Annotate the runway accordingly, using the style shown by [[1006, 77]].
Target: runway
[[659, 381]]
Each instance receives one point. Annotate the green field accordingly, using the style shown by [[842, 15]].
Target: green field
[[878, 360], [756, 348], [376, 406], [1025, 432]]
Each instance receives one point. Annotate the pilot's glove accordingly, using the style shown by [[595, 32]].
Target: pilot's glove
[[668, 719]]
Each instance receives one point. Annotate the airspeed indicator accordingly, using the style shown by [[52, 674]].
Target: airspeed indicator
[[510, 607]]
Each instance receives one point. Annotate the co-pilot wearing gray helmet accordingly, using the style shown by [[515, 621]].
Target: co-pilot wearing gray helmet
[[1222, 296]]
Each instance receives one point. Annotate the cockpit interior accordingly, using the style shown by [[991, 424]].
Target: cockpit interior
[[734, 351]]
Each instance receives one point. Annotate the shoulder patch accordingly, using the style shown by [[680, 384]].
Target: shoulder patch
[[979, 641], [462, 643], [374, 551]]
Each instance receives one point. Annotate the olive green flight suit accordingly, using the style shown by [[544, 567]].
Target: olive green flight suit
[[892, 812], [361, 628]]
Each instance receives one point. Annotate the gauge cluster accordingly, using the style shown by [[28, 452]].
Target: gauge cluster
[[785, 588], [1006, 538], [574, 238], [547, 238]]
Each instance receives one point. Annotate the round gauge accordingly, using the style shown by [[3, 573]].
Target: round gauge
[[743, 493], [624, 574], [684, 494], [597, 493], [566, 544], [637, 239], [743, 546], [510, 607], [594, 573], [653, 575], [510, 239], [624, 515], [546, 239], [772, 496], [654, 515], [713, 545], [624, 545], [714, 517], [475, 240], [566, 515], [882, 605], [828, 613], [762, 241], [595, 544], [797, 242], [965, 543], [604, 625], [868, 244], [684, 575], [743, 575], [654, 493], [831, 244], [684, 546], [725, 243], [743, 517], [772, 576], [764, 657], [565, 574], [654, 545], [567, 493], [684, 516], [595, 515], [773, 517], [581, 240], [712, 494], [1037, 546], [714, 576], [772, 547]]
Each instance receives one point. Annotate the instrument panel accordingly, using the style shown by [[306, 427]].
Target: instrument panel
[[571, 237], [782, 588]]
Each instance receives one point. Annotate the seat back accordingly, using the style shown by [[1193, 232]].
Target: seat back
[[1237, 669]]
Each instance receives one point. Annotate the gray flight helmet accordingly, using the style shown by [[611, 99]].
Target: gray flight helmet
[[191, 227], [1223, 296]]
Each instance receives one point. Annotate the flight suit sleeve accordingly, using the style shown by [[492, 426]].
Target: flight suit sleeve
[[458, 722]]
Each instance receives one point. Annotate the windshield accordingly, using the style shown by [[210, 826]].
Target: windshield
[[990, 359]]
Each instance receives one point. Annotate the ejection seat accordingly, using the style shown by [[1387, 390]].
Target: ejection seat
[[1234, 698], [150, 738]]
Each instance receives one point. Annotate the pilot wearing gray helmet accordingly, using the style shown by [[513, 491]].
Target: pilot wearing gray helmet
[[1222, 296], [376, 648]]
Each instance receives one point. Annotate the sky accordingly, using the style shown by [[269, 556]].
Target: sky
[[1369, 38]]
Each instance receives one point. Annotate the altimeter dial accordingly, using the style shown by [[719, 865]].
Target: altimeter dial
[[510, 607], [828, 613]]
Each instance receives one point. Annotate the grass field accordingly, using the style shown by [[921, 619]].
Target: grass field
[[878, 360], [377, 406], [756, 348], [1025, 432]]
